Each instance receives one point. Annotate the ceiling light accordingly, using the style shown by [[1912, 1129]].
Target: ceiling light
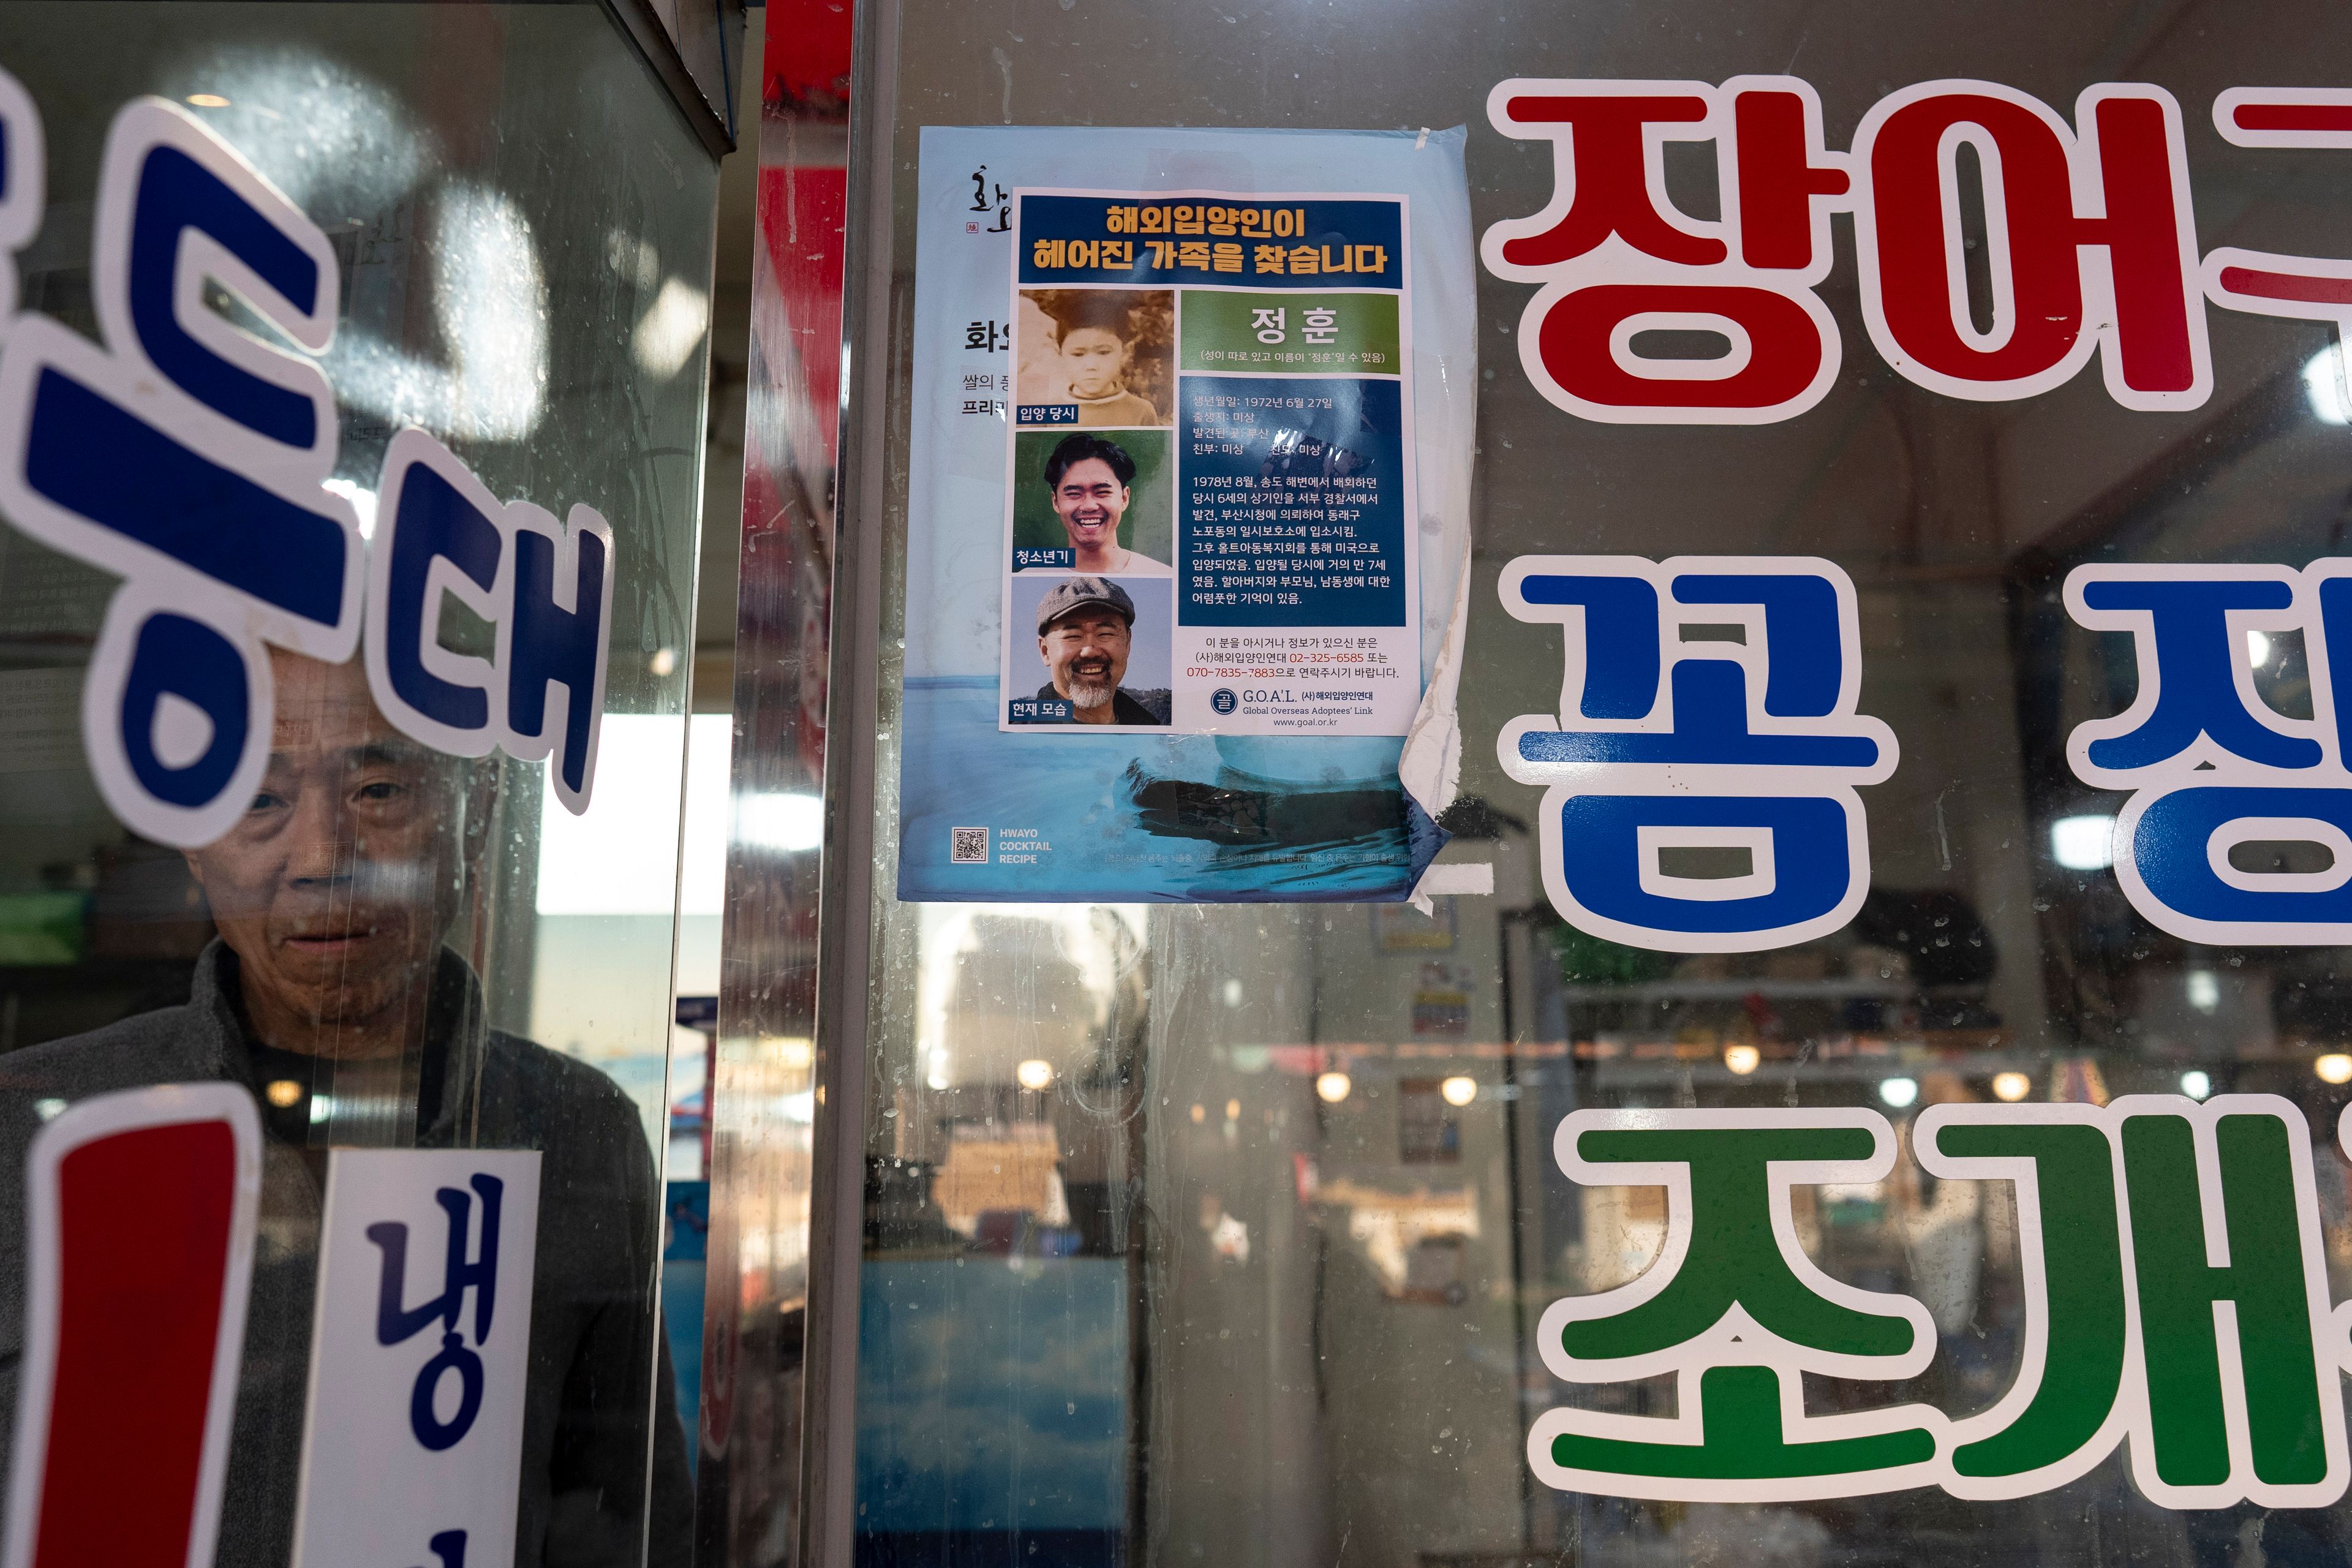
[[2083, 843], [2323, 383], [1333, 1086], [1459, 1090]]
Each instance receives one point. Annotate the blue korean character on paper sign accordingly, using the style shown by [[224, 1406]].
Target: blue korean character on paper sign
[[420, 1359], [396, 1325], [189, 458], [1708, 705], [2210, 765]]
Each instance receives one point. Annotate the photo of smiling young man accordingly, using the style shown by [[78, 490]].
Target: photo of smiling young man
[[1085, 636], [1090, 478]]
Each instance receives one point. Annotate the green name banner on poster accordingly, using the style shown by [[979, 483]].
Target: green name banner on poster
[[2177, 1306], [1293, 334]]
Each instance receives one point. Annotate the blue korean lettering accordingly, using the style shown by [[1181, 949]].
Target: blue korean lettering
[[2191, 692], [547, 587], [175, 657], [2212, 765], [24, 171], [396, 1323], [1672, 736], [185, 456], [191, 458], [555, 642], [176, 196], [434, 521], [101, 461]]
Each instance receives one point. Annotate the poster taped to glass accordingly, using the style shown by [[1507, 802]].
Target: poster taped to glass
[[1257, 406], [1196, 407]]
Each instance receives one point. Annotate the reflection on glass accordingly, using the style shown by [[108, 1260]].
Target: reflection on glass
[[393, 948]]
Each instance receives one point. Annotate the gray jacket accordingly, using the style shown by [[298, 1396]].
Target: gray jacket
[[594, 1332]]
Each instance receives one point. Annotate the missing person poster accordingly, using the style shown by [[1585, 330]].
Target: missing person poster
[[1168, 618]]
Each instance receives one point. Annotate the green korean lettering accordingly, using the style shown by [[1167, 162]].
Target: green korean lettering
[[1735, 1262], [2263, 1281], [2084, 1307], [1735, 1259]]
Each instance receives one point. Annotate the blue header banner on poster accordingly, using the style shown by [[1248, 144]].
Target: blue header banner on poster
[[1272, 242]]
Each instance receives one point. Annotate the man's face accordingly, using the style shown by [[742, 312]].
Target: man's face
[[1096, 359], [1085, 653], [336, 886], [1090, 501]]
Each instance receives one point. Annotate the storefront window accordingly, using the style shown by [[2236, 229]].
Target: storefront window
[[1198, 1229], [427, 934]]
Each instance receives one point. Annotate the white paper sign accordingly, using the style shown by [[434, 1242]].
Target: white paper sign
[[419, 1354]]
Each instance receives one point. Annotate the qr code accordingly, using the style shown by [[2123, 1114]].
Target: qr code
[[968, 846]]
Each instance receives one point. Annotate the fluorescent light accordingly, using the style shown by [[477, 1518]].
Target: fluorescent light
[[776, 819], [2204, 988], [2083, 843], [621, 857], [362, 502], [2323, 383], [2196, 1085], [488, 380], [1899, 1092], [669, 329]]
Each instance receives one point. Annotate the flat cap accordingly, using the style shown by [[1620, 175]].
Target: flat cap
[[1077, 593]]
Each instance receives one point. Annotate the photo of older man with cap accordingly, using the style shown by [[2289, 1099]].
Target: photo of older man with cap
[[1086, 628]]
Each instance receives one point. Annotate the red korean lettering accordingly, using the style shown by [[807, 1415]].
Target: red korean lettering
[[1600, 136], [1786, 181], [1588, 348], [2090, 243], [1619, 263], [2275, 283]]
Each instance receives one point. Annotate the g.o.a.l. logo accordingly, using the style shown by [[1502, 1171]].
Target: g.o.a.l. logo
[[2174, 1296]]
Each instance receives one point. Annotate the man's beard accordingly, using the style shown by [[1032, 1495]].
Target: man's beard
[[1091, 694]]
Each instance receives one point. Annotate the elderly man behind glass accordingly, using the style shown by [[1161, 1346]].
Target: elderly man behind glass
[[328, 991]]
